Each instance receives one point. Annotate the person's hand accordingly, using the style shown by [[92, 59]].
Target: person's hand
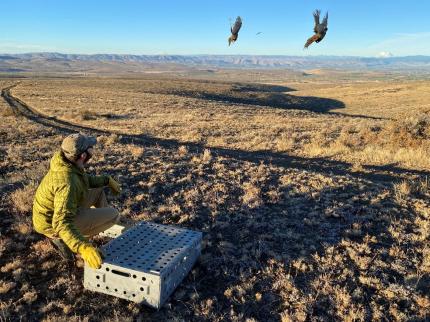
[[114, 186], [90, 255]]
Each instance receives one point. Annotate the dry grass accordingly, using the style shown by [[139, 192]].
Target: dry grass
[[407, 188], [6, 287], [108, 140], [251, 195], [332, 224], [6, 112], [404, 142], [136, 151], [22, 199], [86, 115], [234, 115]]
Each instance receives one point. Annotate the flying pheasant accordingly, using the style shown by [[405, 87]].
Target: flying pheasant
[[235, 31], [320, 29]]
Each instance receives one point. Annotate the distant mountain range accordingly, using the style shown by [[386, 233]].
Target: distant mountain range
[[57, 62]]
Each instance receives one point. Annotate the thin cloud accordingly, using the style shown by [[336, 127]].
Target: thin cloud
[[400, 41], [14, 47]]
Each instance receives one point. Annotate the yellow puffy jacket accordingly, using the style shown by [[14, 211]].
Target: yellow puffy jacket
[[58, 197]]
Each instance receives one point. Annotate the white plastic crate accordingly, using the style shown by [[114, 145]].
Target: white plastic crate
[[146, 263]]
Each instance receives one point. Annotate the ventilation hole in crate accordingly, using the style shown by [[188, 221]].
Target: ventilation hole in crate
[[98, 285], [125, 292], [141, 289], [134, 276], [98, 277], [143, 278], [107, 269], [121, 273], [107, 287], [133, 295]]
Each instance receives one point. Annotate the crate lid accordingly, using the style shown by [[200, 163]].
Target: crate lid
[[150, 247]]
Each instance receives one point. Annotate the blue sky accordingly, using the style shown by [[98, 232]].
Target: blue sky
[[359, 28]]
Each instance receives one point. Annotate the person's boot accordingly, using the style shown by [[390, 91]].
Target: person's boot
[[63, 250]]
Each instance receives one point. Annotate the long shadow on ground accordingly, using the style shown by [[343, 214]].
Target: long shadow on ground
[[254, 94], [388, 173], [262, 95]]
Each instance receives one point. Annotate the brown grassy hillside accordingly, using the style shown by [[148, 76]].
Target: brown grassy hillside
[[313, 197]]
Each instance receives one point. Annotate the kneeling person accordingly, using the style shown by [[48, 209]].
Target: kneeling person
[[70, 206]]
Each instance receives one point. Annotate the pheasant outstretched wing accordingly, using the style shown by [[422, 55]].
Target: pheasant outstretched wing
[[317, 19], [236, 27], [325, 20]]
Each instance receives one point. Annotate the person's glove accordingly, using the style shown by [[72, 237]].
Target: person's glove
[[90, 255], [114, 186]]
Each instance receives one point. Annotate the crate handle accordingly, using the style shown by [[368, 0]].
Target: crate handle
[[114, 271]]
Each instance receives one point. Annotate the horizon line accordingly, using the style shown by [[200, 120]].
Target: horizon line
[[213, 55]]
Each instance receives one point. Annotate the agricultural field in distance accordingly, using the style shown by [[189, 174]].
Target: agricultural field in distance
[[312, 191]]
